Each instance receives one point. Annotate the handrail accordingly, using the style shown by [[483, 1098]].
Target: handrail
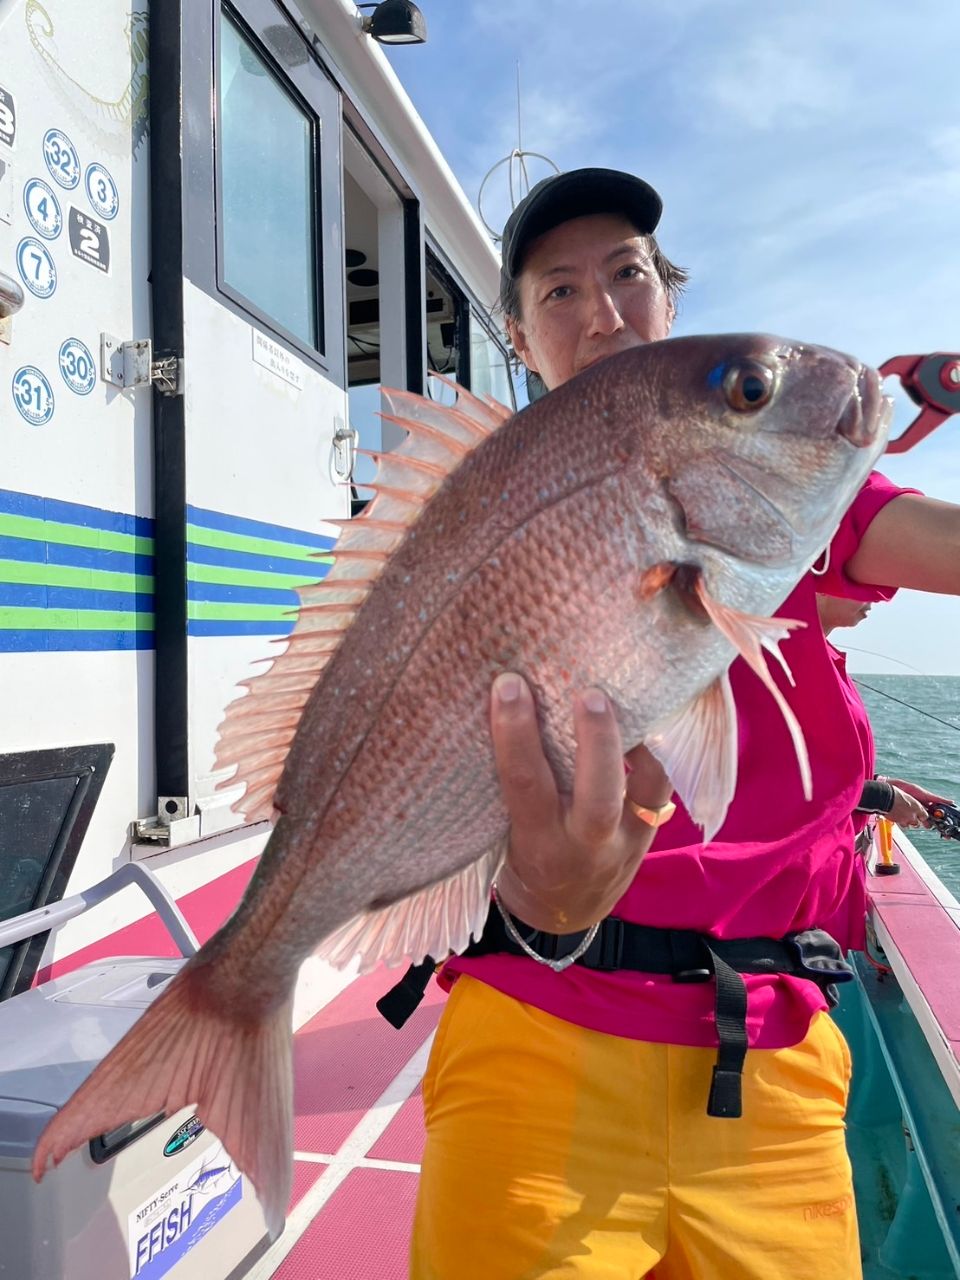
[[57, 913], [11, 296]]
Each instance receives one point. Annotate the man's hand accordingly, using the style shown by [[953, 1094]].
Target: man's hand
[[911, 802], [570, 857]]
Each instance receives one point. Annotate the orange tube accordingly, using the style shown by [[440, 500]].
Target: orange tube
[[885, 840]]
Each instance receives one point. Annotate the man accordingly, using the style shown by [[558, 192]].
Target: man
[[583, 1122]]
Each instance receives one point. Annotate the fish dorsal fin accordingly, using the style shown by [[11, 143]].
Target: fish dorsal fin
[[749, 635], [434, 922], [258, 728], [697, 747]]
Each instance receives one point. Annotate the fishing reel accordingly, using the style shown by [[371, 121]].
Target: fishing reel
[[945, 819]]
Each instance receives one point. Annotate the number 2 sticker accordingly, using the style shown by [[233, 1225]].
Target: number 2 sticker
[[89, 239]]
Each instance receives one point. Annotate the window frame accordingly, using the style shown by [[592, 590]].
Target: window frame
[[312, 88]]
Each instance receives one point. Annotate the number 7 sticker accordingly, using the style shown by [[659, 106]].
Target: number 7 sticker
[[36, 266]]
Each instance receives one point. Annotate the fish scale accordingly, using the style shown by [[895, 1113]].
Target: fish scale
[[632, 530]]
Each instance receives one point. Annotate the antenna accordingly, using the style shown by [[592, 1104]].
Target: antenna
[[518, 179]]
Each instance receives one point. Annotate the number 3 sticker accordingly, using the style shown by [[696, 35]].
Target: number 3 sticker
[[102, 191]]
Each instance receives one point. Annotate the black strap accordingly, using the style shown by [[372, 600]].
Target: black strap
[[685, 955]]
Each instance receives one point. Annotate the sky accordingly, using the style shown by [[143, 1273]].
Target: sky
[[808, 156]]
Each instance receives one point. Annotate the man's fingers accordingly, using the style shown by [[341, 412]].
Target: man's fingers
[[599, 774], [526, 780]]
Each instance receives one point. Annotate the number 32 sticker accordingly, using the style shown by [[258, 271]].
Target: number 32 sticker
[[33, 395], [62, 159]]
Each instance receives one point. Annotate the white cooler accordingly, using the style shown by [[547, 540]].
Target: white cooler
[[158, 1198]]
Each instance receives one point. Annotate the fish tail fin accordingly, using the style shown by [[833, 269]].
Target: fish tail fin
[[235, 1069]]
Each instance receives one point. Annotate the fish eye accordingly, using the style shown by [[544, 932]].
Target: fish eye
[[747, 385]]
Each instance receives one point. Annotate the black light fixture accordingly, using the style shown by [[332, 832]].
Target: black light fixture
[[395, 22]]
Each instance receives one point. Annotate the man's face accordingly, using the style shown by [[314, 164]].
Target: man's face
[[588, 290]]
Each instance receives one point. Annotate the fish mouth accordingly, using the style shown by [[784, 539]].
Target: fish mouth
[[867, 413]]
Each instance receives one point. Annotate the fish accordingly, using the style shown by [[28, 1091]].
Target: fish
[[632, 530]]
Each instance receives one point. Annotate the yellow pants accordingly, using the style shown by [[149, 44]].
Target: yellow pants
[[553, 1151]]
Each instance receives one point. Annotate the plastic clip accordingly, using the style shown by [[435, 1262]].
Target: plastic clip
[[932, 382]]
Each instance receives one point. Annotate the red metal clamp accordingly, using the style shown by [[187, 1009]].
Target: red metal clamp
[[933, 382]]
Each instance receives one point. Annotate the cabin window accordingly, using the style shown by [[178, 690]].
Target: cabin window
[[268, 181], [489, 363], [447, 311]]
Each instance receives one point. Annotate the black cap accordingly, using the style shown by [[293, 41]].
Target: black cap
[[574, 195]]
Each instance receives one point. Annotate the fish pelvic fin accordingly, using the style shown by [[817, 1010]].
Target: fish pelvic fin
[[235, 1071], [255, 735], [749, 635], [697, 747], [435, 921]]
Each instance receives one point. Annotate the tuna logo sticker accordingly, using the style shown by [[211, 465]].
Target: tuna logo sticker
[[187, 1134], [115, 124]]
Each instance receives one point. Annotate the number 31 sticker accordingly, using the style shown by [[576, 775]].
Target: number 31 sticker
[[33, 395]]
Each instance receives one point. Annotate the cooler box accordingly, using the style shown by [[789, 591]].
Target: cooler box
[[157, 1198]]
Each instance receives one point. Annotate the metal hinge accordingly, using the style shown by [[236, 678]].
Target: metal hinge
[[131, 364], [173, 825]]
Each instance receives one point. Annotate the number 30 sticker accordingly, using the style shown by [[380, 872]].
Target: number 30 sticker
[[36, 266], [77, 367], [62, 159], [33, 395], [102, 191]]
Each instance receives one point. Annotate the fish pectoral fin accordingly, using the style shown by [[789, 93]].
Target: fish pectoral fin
[[434, 921], [697, 747], [749, 635], [235, 1070]]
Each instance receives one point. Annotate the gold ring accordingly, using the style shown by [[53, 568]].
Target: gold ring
[[654, 816]]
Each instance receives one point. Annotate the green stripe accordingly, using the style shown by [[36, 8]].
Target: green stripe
[[258, 546], [73, 535], [225, 577], [60, 575], [15, 619], [210, 612]]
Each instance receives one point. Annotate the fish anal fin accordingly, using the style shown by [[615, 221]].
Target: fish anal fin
[[180, 1053], [434, 922], [697, 747], [439, 438], [749, 635]]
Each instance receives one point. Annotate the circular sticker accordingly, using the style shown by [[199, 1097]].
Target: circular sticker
[[43, 208], [36, 266], [77, 367], [33, 395], [102, 191], [62, 159]]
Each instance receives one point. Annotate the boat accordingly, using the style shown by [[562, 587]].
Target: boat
[[223, 228]]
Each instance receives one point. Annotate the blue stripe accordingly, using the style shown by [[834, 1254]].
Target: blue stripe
[[241, 595], [219, 627], [27, 504], [255, 528], [312, 570], [64, 641], [33, 596], [35, 552]]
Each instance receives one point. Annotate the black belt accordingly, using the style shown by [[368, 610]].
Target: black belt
[[683, 954]]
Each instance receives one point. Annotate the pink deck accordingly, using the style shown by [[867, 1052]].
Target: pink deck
[[345, 1059], [927, 935]]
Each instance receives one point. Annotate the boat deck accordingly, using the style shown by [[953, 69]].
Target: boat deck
[[358, 1135]]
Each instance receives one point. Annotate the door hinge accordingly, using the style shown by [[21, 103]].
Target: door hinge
[[132, 364], [173, 824]]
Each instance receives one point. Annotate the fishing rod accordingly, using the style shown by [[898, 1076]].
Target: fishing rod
[[919, 710]]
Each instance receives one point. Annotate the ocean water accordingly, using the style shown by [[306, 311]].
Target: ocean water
[[914, 747]]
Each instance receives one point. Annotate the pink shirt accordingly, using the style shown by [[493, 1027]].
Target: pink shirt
[[778, 864]]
